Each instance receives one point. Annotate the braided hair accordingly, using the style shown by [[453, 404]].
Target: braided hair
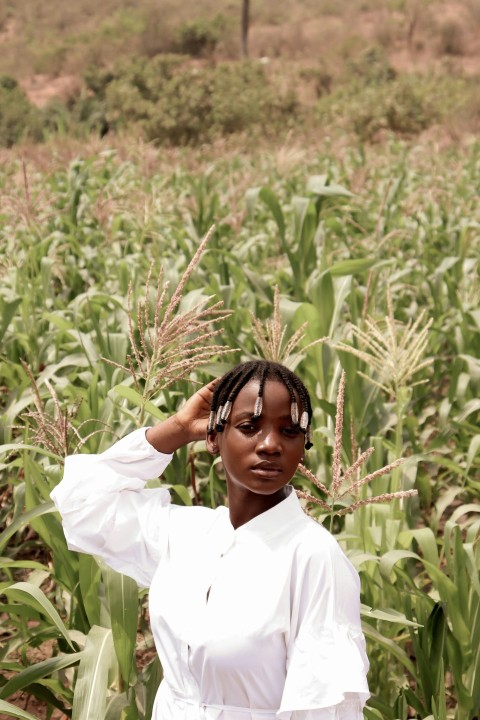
[[233, 381]]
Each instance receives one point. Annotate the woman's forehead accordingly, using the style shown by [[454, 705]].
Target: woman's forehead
[[275, 396]]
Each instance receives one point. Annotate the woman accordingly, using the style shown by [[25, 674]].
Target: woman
[[254, 608]]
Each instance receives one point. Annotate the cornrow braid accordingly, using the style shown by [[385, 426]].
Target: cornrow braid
[[233, 381], [293, 400], [257, 410], [305, 419], [242, 380]]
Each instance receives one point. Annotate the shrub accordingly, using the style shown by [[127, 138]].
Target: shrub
[[372, 66], [178, 104], [19, 118], [196, 106], [199, 38], [320, 78], [406, 105], [52, 60], [452, 38]]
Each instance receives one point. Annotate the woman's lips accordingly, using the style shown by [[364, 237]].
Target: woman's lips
[[266, 469]]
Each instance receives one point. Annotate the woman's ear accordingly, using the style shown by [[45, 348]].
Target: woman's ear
[[211, 443]]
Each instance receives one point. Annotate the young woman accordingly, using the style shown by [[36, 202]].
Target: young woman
[[254, 608]]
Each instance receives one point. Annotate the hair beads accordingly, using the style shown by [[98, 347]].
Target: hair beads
[[294, 412], [225, 412], [232, 382], [257, 410]]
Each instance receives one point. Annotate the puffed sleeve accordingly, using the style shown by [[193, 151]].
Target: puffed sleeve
[[326, 659], [107, 511]]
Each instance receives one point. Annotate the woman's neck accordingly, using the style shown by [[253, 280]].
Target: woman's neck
[[245, 505]]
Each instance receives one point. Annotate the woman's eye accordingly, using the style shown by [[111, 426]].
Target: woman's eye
[[291, 431], [247, 427]]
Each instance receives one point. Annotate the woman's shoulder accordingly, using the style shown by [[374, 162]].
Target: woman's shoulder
[[197, 517], [315, 544]]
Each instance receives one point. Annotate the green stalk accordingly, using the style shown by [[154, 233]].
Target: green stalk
[[396, 473]]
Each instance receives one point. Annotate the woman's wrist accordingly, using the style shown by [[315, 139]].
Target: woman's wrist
[[169, 435]]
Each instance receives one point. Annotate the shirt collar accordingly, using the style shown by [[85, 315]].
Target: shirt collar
[[274, 522]]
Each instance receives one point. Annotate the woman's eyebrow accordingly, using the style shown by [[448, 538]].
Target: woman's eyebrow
[[244, 415], [247, 414]]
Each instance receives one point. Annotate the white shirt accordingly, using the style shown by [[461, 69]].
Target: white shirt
[[257, 623]]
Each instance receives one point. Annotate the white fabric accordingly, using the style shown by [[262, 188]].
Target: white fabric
[[256, 623]]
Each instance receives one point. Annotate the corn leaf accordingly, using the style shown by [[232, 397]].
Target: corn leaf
[[92, 681], [28, 594], [122, 596], [15, 712]]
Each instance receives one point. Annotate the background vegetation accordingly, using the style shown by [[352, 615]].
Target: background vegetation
[[350, 181], [171, 73]]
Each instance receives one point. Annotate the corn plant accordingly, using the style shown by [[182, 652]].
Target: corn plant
[[366, 238]]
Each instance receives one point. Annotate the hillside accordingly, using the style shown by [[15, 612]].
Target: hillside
[[48, 45]]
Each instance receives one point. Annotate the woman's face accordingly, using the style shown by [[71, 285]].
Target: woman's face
[[260, 455]]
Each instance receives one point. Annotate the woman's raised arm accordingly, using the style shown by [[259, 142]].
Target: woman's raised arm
[[106, 509], [187, 425]]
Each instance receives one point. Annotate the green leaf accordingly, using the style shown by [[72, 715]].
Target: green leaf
[[27, 593], [122, 596], [90, 697], [89, 575], [317, 184], [351, 267], [18, 447], [11, 564], [473, 450], [7, 312], [389, 645], [136, 399], [153, 675], [390, 559], [36, 672], [372, 714], [388, 614], [13, 711], [426, 540], [251, 199], [270, 200], [472, 406], [182, 493], [463, 510], [115, 707]]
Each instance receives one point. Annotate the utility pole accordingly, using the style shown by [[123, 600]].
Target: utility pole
[[245, 27]]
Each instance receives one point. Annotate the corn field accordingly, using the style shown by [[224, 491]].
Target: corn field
[[356, 260]]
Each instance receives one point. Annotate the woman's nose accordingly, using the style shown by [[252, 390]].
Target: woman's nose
[[269, 442]]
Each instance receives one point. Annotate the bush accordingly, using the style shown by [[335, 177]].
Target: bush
[[320, 78], [406, 105], [372, 66], [19, 118], [196, 106], [452, 38], [178, 104], [199, 38]]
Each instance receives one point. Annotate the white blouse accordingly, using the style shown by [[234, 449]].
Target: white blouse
[[257, 623]]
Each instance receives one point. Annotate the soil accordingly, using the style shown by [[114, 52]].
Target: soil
[[42, 88]]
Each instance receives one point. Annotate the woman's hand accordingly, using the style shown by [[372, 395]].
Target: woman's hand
[[193, 416], [188, 425]]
